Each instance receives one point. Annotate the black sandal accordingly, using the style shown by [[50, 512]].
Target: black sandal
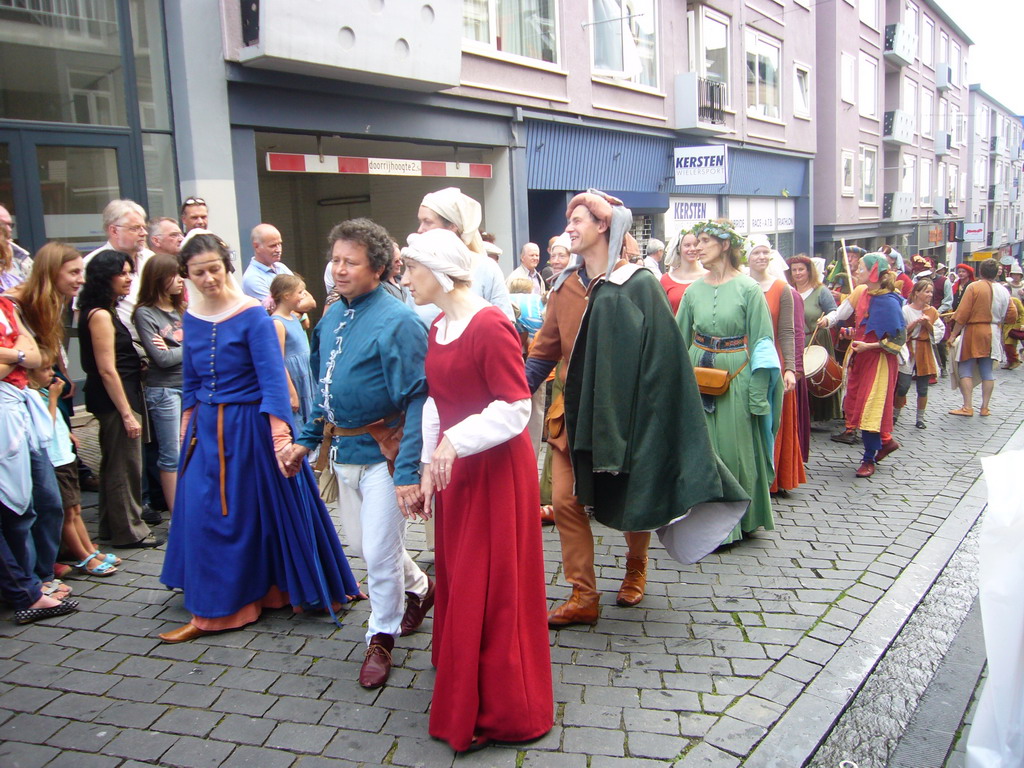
[[29, 615]]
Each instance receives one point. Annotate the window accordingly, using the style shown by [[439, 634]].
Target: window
[[764, 60], [981, 126], [910, 101], [943, 48], [952, 179], [956, 125], [907, 173], [846, 172], [868, 175], [801, 91], [943, 115], [928, 42], [927, 112], [625, 41], [710, 35], [910, 17], [940, 181], [954, 63], [867, 90], [925, 189], [519, 27], [848, 78], [869, 12]]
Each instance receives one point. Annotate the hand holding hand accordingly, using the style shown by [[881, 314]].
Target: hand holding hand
[[289, 459], [410, 501]]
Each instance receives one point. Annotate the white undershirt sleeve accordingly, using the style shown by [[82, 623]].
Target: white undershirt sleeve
[[499, 422], [431, 424]]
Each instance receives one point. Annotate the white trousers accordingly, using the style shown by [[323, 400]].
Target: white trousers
[[375, 531]]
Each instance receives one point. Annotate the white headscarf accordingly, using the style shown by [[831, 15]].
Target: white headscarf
[[563, 241], [443, 253], [461, 210], [777, 266]]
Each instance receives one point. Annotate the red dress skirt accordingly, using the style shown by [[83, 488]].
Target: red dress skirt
[[490, 644]]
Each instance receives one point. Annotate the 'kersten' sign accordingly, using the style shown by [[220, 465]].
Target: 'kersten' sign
[[701, 165]]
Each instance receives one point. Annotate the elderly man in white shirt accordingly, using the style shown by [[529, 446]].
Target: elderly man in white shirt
[[266, 262], [124, 221], [655, 252]]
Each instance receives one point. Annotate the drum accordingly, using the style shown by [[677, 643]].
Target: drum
[[824, 375]]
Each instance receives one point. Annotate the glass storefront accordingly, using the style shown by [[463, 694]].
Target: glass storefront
[[85, 115]]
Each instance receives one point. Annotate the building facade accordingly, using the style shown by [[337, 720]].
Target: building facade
[[994, 205], [891, 161]]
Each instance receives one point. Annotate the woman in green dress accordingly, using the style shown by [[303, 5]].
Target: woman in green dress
[[726, 324], [818, 301]]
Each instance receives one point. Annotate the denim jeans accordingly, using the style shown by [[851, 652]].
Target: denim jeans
[[49, 514], [19, 586], [164, 407]]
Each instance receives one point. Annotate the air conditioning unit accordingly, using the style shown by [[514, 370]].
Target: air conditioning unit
[[940, 206], [943, 77], [943, 142]]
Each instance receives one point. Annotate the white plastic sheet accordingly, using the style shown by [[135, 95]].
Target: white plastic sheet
[[996, 739]]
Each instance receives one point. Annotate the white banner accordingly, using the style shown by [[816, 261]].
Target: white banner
[[684, 212], [974, 232], [701, 165]]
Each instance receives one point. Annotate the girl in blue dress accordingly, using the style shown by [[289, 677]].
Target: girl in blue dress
[[291, 299], [245, 537]]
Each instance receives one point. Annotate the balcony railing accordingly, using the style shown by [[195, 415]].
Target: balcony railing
[[898, 127], [900, 44], [710, 101]]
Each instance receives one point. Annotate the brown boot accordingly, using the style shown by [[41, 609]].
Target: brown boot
[[632, 590], [575, 610]]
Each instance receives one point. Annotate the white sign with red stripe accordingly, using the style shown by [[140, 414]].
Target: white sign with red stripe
[[282, 162]]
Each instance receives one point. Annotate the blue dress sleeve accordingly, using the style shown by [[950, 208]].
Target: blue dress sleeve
[[189, 377], [266, 358]]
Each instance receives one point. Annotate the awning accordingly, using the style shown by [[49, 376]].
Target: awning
[[982, 255]]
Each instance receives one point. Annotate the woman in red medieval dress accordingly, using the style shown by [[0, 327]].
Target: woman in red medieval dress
[[490, 643]]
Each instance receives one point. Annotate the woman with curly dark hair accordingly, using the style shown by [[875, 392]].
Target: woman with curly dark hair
[[113, 394]]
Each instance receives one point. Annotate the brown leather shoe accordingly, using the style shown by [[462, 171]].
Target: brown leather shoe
[[416, 608], [632, 590], [889, 446], [574, 611], [183, 634], [866, 469], [377, 664]]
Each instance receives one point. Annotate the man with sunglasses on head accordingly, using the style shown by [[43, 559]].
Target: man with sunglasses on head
[[194, 214]]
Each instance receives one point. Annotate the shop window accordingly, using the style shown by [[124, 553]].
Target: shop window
[[519, 27], [801, 90], [868, 175], [625, 40], [846, 172], [764, 60], [709, 33]]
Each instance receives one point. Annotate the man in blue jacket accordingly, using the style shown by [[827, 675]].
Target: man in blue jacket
[[368, 352]]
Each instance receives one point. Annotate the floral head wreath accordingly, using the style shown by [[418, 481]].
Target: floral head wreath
[[723, 231]]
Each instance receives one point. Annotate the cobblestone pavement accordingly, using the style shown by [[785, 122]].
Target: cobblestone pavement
[[748, 657]]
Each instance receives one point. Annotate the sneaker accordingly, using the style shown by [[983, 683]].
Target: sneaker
[[920, 424]]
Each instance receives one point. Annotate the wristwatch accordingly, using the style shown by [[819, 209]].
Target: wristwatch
[[21, 357]]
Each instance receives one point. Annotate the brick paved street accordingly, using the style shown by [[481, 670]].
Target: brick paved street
[[746, 658]]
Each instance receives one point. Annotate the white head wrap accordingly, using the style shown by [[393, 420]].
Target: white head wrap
[[819, 268], [563, 241], [461, 210], [777, 266], [443, 253], [757, 241]]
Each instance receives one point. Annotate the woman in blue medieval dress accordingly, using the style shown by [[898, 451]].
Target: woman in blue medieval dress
[[244, 537]]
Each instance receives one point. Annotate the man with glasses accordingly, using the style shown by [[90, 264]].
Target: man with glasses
[[194, 214], [165, 236], [124, 221]]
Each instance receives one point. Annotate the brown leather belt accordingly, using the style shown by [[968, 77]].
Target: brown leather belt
[[387, 438]]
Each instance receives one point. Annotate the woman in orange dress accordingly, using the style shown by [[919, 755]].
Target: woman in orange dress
[[789, 460]]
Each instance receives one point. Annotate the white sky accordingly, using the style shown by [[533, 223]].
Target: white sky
[[996, 27]]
